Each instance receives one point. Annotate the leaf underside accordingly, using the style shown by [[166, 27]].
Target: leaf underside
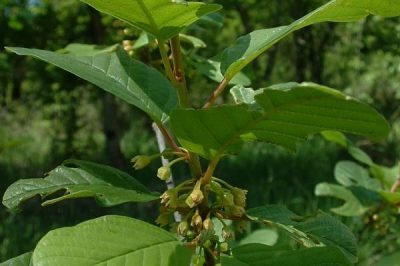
[[79, 179], [115, 72], [283, 115], [250, 46], [110, 240], [311, 231], [162, 18]]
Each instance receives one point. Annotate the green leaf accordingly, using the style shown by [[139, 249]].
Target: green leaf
[[281, 116], [392, 260], [264, 236], [110, 240], [80, 179], [194, 41], [250, 46], [391, 197], [115, 72], [349, 174], [162, 18], [143, 40], [262, 255], [211, 69], [312, 231], [351, 207], [21, 260]]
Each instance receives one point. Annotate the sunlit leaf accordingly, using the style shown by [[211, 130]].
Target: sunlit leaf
[[162, 18], [283, 115], [110, 240], [250, 46]]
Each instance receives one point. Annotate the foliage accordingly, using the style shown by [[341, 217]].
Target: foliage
[[283, 114]]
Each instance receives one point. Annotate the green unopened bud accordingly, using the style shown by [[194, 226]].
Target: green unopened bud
[[141, 161], [239, 196], [197, 196], [183, 228], [208, 224], [223, 247], [227, 233], [164, 173]]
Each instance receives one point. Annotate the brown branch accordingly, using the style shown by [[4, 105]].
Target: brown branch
[[168, 137], [221, 87]]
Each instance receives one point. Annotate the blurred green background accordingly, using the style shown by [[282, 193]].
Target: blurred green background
[[48, 115]]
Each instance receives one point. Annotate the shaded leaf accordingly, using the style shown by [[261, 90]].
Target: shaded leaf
[[285, 115], [312, 231], [351, 207], [260, 255], [162, 18], [80, 179], [349, 174], [110, 240], [115, 72], [391, 197], [250, 46], [21, 260]]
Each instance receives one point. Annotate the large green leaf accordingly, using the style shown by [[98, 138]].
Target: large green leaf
[[162, 18], [312, 231], [351, 206], [79, 179], [283, 115], [112, 241], [115, 72], [263, 255], [21, 260], [250, 46]]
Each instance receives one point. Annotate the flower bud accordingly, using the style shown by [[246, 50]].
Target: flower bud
[[183, 228], [164, 173], [141, 161], [223, 247], [208, 224], [196, 197], [197, 221], [239, 196]]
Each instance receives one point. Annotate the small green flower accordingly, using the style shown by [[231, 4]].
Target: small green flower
[[141, 161], [239, 196]]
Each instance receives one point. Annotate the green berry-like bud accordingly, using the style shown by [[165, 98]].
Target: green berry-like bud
[[183, 228], [141, 161], [223, 247], [164, 173]]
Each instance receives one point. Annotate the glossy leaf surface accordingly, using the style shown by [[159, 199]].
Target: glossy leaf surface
[[250, 46], [284, 115], [115, 72], [110, 240], [162, 18], [79, 179]]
